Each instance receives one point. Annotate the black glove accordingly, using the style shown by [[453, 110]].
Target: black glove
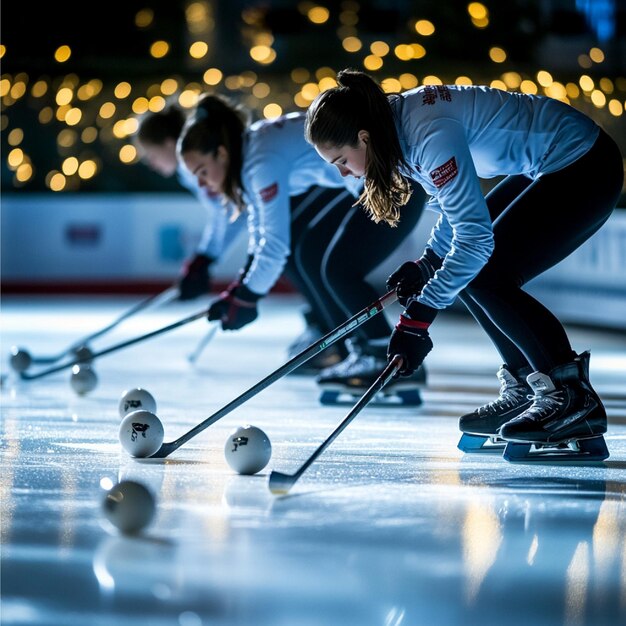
[[195, 281], [412, 342], [409, 279], [236, 307]]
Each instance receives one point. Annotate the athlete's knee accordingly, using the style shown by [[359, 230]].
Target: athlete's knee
[[496, 276], [484, 289]]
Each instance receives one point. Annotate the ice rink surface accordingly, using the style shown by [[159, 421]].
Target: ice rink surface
[[391, 526]]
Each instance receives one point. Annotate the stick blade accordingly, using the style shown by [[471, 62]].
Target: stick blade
[[165, 450], [280, 483]]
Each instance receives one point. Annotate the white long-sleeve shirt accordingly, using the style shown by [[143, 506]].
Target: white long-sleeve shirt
[[278, 163], [453, 135]]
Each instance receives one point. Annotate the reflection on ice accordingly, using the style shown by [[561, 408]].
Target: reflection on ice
[[392, 526]]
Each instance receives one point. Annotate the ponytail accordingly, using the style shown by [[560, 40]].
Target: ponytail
[[335, 118], [218, 122]]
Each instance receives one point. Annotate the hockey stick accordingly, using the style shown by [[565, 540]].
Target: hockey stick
[[193, 357], [280, 483], [114, 348], [349, 325], [163, 297]]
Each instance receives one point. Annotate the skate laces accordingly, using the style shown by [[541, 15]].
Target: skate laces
[[341, 368], [364, 363], [508, 398], [511, 393], [355, 364], [545, 404]]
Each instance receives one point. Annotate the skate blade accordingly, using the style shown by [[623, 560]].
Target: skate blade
[[342, 397], [480, 444], [590, 450]]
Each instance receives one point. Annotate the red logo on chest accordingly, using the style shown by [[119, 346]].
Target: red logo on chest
[[269, 193], [444, 173]]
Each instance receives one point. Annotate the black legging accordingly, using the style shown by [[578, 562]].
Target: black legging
[[536, 224], [334, 247]]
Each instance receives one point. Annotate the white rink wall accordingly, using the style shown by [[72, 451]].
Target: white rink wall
[[118, 238], [113, 237], [134, 238]]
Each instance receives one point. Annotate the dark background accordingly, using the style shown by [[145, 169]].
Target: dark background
[[107, 45]]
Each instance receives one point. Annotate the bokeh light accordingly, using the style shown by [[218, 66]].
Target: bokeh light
[[82, 91]]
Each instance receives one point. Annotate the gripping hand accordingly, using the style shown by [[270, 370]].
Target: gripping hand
[[412, 341], [235, 308], [409, 279], [195, 280]]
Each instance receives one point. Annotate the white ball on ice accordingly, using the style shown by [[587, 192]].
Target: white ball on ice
[[136, 399], [248, 450], [83, 379], [129, 506], [141, 433]]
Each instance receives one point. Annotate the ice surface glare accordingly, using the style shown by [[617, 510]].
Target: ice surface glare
[[391, 526]]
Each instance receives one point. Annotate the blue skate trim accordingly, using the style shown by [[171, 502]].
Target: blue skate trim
[[586, 450], [410, 398], [329, 397], [476, 443], [404, 398]]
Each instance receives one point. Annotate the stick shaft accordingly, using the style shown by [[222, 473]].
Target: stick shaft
[[387, 374], [334, 335], [193, 357], [115, 348], [165, 296]]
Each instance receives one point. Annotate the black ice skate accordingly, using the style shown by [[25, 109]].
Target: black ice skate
[[354, 375], [311, 334], [480, 427], [565, 422]]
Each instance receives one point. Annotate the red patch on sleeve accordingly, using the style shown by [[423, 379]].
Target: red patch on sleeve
[[269, 193], [444, 173]]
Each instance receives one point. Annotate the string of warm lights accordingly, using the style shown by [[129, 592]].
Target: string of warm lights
[[92, 113]]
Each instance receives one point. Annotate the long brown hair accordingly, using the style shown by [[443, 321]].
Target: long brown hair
[[217, 122], [335, 118]]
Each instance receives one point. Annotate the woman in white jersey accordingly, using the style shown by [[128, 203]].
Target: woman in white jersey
[[563, 177], [301, 218], [156, 138]]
